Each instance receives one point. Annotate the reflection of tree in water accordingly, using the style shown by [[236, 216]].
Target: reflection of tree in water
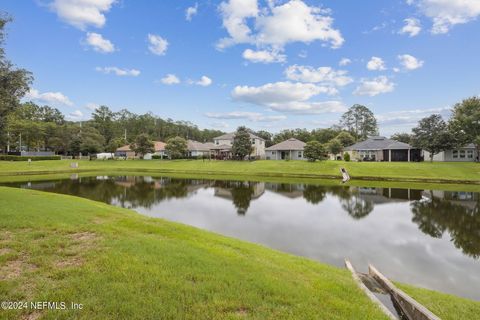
[[357, 207], [242, 196], [434, 216], [314, 194]]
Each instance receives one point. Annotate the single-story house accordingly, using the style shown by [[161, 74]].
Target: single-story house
[[382, 149], [258, 145], [198, 149], [126, 152], [291, 149], [467, 153]]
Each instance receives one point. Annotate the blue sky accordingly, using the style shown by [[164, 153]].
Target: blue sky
[[265, 64]]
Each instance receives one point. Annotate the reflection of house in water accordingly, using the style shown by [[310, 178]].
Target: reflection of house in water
[[469, 200], [291, 191], [241, 193], [386, 195]]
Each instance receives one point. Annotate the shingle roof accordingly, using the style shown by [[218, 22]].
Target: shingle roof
[[193, 145], [290, 144], [229, 136], [221, 147], [379, 143]]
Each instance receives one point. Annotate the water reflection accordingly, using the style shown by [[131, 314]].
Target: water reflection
[[430, 238]]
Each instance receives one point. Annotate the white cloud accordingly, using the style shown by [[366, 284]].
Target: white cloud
[[158, 45], [344, 62], [412, 27], [191, 11], [276, 25], [409, 62], [54, 98], [220, 125], [91, 106], [204, 81], [170, 79], [324, 75], [75, 115], [263, 56], [376, 63], [82, 13], [119, 72], [288, 97], [447, 13], [251, 116], [375, 86], [99, 43], [410, 117]]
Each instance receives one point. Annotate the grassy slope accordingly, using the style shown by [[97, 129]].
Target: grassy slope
[[424, 171], [446, 306], [123, 265]]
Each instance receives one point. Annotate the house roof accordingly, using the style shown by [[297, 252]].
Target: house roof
[[221, 147], [229, 136], [379, 143], [470, 146], [158, 146], [290, 144], [193, 145]]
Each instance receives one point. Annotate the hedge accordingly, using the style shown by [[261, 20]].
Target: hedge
[[25, 158]]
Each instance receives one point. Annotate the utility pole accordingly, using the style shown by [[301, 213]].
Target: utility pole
[[8, 142], [125, 135], [20, 147]]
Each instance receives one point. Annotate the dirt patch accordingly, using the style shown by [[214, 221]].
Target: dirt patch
[[83, 236], [15, 268], [4, 251], [32, 316], [243, 312], [5, 235], [68, 263], [80, 243]]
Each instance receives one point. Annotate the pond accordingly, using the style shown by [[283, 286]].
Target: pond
[[429, 238]]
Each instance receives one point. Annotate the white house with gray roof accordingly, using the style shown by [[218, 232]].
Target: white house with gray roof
[[291, 149], [467, 153], [223, 145], [382, 149]]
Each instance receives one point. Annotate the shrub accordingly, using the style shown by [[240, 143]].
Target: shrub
[[346, 156], [25, 158], [156, 157]]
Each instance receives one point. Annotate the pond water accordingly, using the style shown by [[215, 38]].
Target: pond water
[[422, 237]]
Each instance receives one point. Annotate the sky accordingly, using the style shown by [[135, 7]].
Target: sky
[[266, 64]]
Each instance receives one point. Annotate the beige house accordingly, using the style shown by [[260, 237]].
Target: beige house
[[223, 145], [382, 149], [127, 152], [198, 149], [291, 149]]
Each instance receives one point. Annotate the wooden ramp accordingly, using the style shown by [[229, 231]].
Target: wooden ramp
[[395, 303]]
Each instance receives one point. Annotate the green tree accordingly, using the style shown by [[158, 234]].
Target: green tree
[[359, 121], [345, 138], [143, 145], [335, 147], [432, 134], [242, 144], [466, 118], [114, 144], [402, 137], [265, 135], [314, 150], [103, 120], [176, 148], [14, 83]]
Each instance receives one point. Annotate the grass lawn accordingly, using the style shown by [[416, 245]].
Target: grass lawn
[[437, 172], [121, 265]]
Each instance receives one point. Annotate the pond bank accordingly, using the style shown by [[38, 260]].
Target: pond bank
[[420, 172]]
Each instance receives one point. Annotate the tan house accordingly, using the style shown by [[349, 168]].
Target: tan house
[[382, 149], [291, 149], [126, 152], [198, 149], [223, 145]]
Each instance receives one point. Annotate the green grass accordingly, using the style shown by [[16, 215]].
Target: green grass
[[446, 306], [426, 172], [121, 265]]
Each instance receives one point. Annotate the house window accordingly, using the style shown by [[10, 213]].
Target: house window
[[299, 154], [470, 154], [216, 142], [253, 141], [462, 154], [455, 154]]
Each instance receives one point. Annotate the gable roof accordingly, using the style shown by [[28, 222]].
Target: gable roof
[[378, 143], [290, 144], [231, 135]]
